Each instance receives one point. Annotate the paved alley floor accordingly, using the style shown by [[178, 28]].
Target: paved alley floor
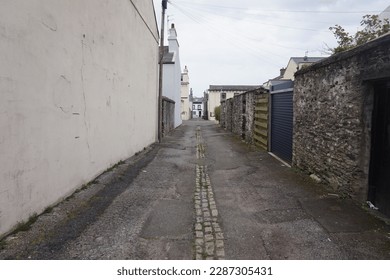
[[202, 194]]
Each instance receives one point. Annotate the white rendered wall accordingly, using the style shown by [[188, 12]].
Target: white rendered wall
[[185, 92], [290, 70], [172, 88], [177, 95], [78, 93], [196, 110], [185, 109], [172, 76]]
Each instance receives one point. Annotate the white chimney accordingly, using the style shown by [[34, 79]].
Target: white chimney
[[172, 33], [172, 40]]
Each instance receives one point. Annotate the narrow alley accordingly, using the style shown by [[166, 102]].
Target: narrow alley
[[202, 194]]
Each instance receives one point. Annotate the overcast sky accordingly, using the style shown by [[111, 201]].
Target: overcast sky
[[246, 42]]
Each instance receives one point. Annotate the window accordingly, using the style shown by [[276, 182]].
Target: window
[[199, 107], [223, 96], [193, 107]]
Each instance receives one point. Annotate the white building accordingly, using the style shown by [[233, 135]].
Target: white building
[[297, 63], [172, 73], [79, 93], [218, 93], [197, 108], [294, 64], [185, 94]]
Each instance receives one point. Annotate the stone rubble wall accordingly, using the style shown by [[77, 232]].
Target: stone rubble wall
[[229, 115], [222, 121], [238, 114], [333, 103], [250, 115]]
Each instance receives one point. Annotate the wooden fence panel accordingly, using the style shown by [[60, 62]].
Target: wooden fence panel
[[261, 121]]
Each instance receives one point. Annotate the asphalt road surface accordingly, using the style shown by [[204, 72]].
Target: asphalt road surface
[[202, 194]]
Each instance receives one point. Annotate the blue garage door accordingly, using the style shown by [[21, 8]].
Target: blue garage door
[[282, 125]]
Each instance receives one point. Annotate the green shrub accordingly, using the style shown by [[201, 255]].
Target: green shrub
[[217, 113]]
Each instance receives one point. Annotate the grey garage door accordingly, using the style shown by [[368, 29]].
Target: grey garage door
[[282, 123]]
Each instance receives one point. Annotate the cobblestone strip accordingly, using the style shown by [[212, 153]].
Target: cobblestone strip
[[209, 239]]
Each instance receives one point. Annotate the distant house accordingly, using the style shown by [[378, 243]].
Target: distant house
[[287, 74], [185, 108], [218, 93], [197, 107], [297, 63], [172, 74]]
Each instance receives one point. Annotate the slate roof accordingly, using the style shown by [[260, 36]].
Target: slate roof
[[197, 100], [168, 57], [308, 59], [233, 88]]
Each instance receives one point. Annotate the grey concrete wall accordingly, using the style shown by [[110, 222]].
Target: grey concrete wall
[[78, 93], [168, 118], [333, 103]]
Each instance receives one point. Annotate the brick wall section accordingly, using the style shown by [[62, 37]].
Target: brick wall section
[[238, 114], [333, 103]]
